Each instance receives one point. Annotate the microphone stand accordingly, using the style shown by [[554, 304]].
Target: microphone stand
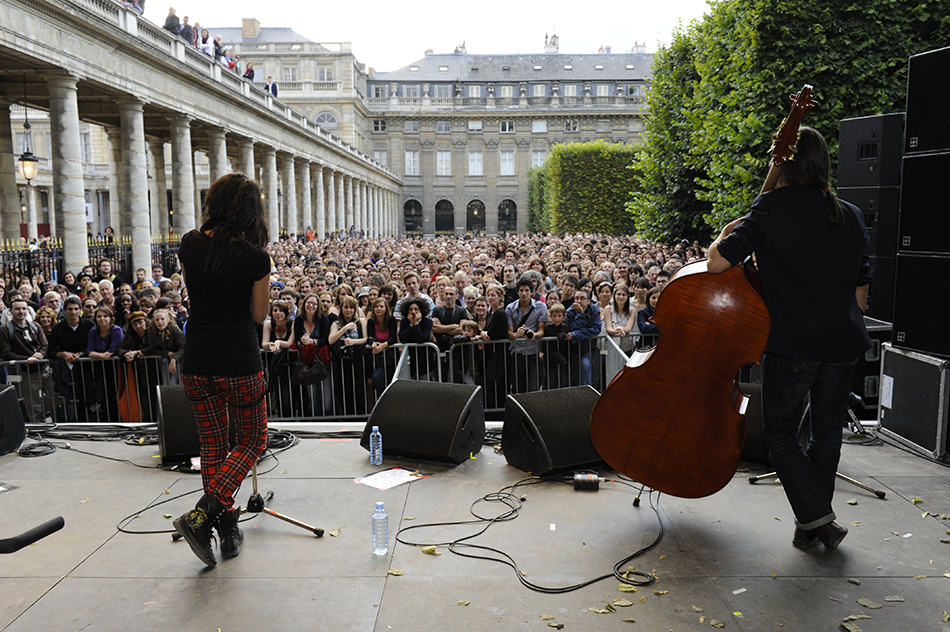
[[255, 504]]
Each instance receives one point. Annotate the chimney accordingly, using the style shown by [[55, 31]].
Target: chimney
[[250, 28]]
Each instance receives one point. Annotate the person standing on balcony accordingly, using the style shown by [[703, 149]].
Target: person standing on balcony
[[172, 24], [270, 86], [187, 32]]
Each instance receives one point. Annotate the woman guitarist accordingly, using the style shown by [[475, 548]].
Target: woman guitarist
[[809, 251]]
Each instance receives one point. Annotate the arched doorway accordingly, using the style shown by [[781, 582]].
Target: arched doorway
[[327, 120], [412, 210], [444, 218], [507, 216], [475, 216]]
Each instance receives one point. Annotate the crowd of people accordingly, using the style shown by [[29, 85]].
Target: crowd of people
[[517, 314]]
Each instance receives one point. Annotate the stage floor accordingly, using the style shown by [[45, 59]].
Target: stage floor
[[727, 557]]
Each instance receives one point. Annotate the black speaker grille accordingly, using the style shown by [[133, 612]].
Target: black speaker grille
[[12, 426]]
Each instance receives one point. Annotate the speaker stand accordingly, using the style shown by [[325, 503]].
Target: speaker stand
[[255, 504]]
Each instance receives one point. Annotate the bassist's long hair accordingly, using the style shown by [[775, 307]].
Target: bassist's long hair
[[811, 168]]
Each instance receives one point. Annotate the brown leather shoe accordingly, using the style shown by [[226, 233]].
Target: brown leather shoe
[[804, 539], [830, 535]]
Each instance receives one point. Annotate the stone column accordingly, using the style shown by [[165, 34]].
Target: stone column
[[269, 166], [194, 178], [348, 203], [357, 204], [159, 188], [304, 194], [319, 194], [288, 187], [375, 209], [134, 183], [115, 217], [364, 207], [68, 186], [9, 196], [331, 201], [218, 164], [247, 159], [183, 175]]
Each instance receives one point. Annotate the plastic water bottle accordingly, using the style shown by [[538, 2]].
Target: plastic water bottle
[[375, 447], [380, 530]]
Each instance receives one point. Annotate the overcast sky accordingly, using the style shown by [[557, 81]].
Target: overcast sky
[[390, 35]]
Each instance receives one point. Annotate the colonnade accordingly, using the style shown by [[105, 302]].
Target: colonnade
[[300, 191]]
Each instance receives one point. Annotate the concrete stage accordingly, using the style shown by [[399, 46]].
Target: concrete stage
[[729, 554]]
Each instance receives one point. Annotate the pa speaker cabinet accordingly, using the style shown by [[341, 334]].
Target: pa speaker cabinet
[[12, 424], [880, 206], [915, 398], [881, 293], [870, 150], [920, 306], [866, 382], [924, 221], [928, 93], [549, 432], [429, 420], [177, 429]]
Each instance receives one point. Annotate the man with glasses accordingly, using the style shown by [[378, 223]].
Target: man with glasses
[[89, 305], [583, 324], [21, 340]]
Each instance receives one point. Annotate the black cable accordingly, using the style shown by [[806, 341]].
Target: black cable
[[514, 504], [40, 448]]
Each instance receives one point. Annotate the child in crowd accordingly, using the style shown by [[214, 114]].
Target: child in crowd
[[470, 353], [554, 354]]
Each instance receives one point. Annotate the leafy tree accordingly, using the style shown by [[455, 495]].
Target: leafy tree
[[538, 221]]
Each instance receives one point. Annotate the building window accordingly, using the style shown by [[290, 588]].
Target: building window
[[507, 127], [381, 156], [603, 90], [443, 127], [411, 92], [379, 92], [539, 127], [474, 91], [570, 90], [635, 91], [506, 92], [475, 163], [604, 126], [290, 73], [412, 163], [327, 120], [325, 73], [443, 166], [537, 158], [539, 90], [571, 125], [379, 125], [507, 163], [443, 92], [85, 143], [411, 127], [475, 127]]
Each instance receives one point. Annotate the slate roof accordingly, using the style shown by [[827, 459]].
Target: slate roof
[[268, 35]]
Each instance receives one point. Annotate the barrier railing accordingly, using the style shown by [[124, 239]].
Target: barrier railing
[[113, 390]]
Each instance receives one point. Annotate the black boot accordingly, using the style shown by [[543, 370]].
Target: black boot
[[229, 533], [195, 527]]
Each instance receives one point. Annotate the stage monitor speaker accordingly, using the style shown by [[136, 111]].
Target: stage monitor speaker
[[920, 306], [870, 150], [866, 382], [12, 424], [881, 293], [928, 93], [549, 432], [924, 221], [915, 400], [429, 420], [177, 430], [880, 206]]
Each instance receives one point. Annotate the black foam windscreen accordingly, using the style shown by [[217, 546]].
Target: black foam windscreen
[[177, 429], [549, 431], [12, 425], [870, 150], [927, 95], [429, 420]]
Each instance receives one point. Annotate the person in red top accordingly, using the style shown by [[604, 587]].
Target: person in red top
[[227, 272]]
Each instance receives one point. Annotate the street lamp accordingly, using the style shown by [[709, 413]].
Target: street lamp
[[29, 164]]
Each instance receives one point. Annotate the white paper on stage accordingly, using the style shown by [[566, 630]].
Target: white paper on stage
[[387, 479]]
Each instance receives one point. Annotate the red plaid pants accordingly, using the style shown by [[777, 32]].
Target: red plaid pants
[[215, 402]]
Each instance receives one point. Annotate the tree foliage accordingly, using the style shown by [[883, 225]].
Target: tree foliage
[[721, 90], [584, 188]]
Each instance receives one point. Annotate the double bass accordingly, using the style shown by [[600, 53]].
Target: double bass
[[673, 419]]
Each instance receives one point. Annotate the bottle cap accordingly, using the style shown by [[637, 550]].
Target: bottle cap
[[379, 506], [375, 428]]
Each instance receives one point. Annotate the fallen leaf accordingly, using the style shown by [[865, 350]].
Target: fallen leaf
[[396, 572], [856, 523], [894, 598], [556, 626], [548, 617], [696, 608], [606, 610], [409, 518], [774, 573], [524, 574], [283, 471], [430, 550], [867, 603], [853, 501], [917, 501], [702, 618], [662, 557], [334, 532], [946, 617], [833, 598], [642, 599], [168, 491], [895, 532], [850, 627], [623, 603], [660, 592], [626, 588], [716, 624], [84, 500], [920, 577], [856, 582], [464, 603], [945, 540], [777, 518], [855, 617], [167, 515]]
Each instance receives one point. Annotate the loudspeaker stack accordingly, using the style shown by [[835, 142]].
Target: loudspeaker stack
[[923, 246]]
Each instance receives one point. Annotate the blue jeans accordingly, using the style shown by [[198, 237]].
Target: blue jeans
[[582, 368], [808, 475]]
